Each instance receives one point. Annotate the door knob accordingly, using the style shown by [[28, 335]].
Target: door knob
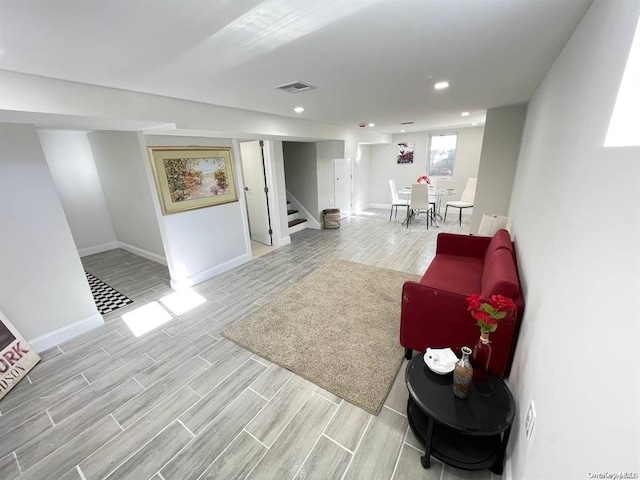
[[246, 189]]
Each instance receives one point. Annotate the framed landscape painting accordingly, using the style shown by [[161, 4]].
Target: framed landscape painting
[[194, 177]]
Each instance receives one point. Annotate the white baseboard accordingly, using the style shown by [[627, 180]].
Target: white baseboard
[[386, 206], [180, 284], [298, 227], [63, 334], [83, 252], [143, 253], [286, 240]]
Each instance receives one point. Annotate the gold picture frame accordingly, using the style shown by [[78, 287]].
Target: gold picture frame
[[193, 177]]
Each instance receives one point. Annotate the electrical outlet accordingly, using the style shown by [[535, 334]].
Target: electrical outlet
[[530, 420]]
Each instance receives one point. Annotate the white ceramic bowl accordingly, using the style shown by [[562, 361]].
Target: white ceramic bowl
[[442, 369]]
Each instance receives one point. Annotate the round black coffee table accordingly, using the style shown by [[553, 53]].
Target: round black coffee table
[[470, 433]]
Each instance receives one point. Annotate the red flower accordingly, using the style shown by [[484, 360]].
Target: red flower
[[502, 303], [488, 313], [475, 301]]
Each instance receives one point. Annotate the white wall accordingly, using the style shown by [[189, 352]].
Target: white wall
[[577, 354], [204, 242], [361, 177], [384, 166], [498, 161], [43, 290], [76, 180], [129, 198], [301, 173]]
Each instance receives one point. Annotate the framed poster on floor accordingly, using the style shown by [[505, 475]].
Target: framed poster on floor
[[16, 356]]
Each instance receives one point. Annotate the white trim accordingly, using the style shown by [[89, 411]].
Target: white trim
[[63, 334], [83, 252], [273, 158], [379, 205], [311, 221], [178, 284], [298, 227], [143, 253], [285, 241], [237, 159]]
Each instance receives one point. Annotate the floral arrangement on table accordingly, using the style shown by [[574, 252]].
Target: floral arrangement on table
[[487, 313], [423, 179]]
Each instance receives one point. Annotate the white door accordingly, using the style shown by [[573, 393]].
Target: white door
[[343, 186], [255, 192]]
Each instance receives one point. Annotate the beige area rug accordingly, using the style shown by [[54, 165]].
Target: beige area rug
[[338, 328]]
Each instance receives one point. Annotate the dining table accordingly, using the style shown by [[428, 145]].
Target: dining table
[[439, 193]]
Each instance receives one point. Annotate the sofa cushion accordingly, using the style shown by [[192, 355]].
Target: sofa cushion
[[499, 276], [454, 273], [501, 239]]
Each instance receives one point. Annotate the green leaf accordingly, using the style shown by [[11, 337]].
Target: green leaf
[[488, 308], [499, 315], [492, 328]]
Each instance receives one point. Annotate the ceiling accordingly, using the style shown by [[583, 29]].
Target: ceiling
[[372, 61]]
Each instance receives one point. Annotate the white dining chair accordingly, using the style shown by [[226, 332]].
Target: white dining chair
[[433, 195], [466, 200], [396, 201], [420, 203]]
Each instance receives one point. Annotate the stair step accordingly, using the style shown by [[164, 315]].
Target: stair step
[[291, 211], [297, 221]]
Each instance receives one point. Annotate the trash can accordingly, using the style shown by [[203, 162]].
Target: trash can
[[331, 217]]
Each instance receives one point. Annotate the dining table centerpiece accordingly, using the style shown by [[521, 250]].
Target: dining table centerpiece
[[424, 179]]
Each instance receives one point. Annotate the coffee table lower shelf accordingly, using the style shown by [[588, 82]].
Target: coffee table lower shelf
[[452, 447]]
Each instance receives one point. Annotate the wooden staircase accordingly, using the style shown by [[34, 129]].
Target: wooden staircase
[[296, 222]]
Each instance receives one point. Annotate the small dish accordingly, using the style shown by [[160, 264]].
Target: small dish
[[440, 361]]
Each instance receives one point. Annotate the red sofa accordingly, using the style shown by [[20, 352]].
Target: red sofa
[[434, 310]]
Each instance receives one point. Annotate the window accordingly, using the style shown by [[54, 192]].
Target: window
[[442, 155]]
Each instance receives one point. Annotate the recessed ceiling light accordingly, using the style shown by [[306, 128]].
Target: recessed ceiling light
[[441, 85], [298, 109], [402, 131], [464, 114], [474, 124], [372, 124]]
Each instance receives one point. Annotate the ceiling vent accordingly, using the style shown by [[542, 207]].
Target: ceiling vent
[[295, 87], [406, 123]]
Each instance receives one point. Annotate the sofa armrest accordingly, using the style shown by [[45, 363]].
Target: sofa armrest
[[462, 245]]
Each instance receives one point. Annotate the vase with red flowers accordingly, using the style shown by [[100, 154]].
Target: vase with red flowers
[[487, 312], [424, 179]]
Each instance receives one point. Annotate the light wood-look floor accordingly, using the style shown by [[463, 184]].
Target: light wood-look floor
[[181, 402]]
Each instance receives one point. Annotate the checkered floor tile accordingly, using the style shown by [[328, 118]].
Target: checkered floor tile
[[107, 299]]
